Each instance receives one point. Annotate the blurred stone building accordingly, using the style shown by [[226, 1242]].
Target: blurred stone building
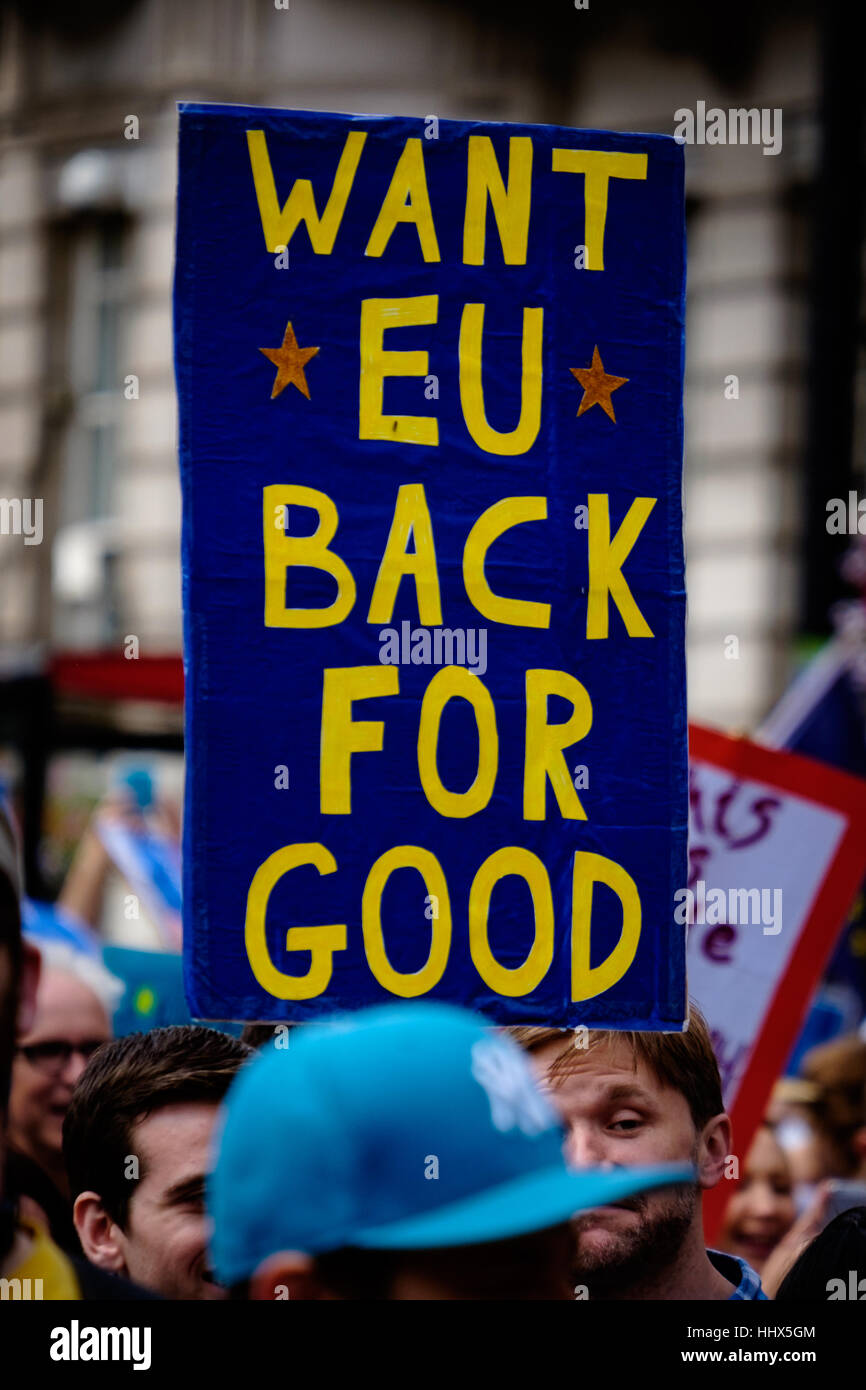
[[87, 408]]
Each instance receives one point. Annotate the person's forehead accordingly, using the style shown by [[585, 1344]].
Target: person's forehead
[[609, 1065], [766, 1153], [68, 1007], [173, 1142]]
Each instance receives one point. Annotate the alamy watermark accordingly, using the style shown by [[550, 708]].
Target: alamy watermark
[[847, 517], [20, 1290], [737, 126], [22, 516], [77, 1343], [855, 1288], [750, 906], [436, 646]]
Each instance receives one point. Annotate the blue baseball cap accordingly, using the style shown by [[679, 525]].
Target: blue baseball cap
[[407, 1127]]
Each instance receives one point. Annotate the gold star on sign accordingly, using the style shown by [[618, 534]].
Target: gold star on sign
[[598, 386], [289, 361]]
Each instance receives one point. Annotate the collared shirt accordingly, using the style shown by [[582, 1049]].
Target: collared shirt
[[746, 1281]]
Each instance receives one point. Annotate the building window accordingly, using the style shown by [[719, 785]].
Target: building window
[[97, 288]]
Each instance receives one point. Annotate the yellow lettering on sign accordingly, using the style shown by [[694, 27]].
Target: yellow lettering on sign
[[407, 200], [510, 205], [511, 981], [342, 735], [598, 168], [588, 981], [450, 683], [545, 742], [283, 550], [279, 225], [516, 612], [377, 362], [606, 559], [525, 433], [407, 986], [321, 942], [411, 518]]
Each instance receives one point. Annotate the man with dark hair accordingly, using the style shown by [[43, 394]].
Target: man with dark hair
[[136, 1140], [404, 1153], [636, 1098]]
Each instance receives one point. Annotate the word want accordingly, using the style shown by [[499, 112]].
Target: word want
[[407, 198]]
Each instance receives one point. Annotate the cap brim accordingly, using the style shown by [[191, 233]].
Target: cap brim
[[532, 1203]]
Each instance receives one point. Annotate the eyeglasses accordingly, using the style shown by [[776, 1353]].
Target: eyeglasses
[[52, 1057]]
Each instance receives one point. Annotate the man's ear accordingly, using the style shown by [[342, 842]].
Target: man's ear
[[31, 967], [289, 1274], [101, 1239], [714, 1146]]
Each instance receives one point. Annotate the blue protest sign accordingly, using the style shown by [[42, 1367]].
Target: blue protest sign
[[153, 995], [430, 387]]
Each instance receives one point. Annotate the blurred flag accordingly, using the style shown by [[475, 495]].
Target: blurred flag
[[149, 860], [153, 996], [49, 922]]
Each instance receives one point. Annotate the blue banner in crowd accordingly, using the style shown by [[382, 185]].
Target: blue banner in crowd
[[153, 995], [430, 386]]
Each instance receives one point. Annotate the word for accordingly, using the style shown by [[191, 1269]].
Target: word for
[[343, 736], [846, 520], [411, 521], [76, 1343], [22, 517], [323, 942], [735, 127], [418, 646], [407, 198], [747, 905]]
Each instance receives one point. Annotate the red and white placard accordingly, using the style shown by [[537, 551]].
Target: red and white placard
[[795, 830]]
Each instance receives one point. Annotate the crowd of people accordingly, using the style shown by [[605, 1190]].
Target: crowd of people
[[406, 1152]]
